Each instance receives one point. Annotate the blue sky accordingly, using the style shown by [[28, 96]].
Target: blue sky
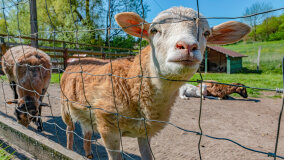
[[210, 8]]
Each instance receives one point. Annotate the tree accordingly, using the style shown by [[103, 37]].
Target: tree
[[88, 15], [253, 21], [117, 6]]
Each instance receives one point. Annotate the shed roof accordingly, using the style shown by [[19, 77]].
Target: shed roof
[[226, 51]]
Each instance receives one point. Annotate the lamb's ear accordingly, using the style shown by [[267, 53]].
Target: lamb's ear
[[129, 22], [228, 32]]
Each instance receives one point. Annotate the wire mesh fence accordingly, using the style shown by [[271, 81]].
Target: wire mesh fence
[[87, 105]]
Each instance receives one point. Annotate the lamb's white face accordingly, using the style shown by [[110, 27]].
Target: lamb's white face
[[176, 48]]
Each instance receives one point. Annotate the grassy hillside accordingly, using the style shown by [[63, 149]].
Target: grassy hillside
[[271, 55]]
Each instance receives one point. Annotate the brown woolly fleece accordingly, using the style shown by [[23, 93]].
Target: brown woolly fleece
[[26, 55], [222, 91], [30, 70], [99, 94]]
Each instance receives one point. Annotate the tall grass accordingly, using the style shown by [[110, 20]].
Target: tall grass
[[271, 55]]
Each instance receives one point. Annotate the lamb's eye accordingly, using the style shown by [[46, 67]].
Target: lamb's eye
[[153, 30], [206, 34]]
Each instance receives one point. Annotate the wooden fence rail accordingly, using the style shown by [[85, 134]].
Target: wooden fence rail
[[60, 55]]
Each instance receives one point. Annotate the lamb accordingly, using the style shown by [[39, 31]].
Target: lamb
[[174, 53], [28, 68], [223, 91], [189, 90]]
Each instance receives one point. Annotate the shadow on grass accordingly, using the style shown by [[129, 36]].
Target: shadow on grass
[[246, 70]]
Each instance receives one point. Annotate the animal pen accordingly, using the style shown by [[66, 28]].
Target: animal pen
[[219, 59], [60, 56]]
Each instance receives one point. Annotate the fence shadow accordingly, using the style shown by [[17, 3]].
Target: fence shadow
[[57, 135]]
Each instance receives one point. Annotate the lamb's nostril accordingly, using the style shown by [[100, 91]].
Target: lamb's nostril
[[193, 47], [179, 46]]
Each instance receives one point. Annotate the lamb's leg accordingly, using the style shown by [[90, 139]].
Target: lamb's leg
[[185, 98], [112, 143], [226, 97], [87, 144], [14, 88], [70, 135], [144, 148], [42, 93], [67, 119], [39, 121], [182, 94]]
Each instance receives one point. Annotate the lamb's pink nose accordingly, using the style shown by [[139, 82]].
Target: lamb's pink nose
[[181, 45]]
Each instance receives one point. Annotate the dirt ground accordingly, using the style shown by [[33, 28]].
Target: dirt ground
[[251, 122]]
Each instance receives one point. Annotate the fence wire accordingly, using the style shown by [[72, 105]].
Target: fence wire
[[91, 108]]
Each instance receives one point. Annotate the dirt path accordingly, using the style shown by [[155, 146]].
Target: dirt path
[[252, 122]]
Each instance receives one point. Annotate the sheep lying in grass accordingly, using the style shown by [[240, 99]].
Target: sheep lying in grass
[[189, 90], [28, 70], [223, 91], [174, 53]]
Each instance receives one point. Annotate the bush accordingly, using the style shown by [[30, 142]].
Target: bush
[[276, 36]]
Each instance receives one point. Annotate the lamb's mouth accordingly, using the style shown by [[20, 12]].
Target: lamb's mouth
[[191, 61]]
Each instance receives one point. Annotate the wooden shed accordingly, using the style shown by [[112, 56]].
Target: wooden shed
[[219, 59]]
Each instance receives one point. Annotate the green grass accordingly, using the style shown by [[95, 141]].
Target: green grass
[[271, 55], [5, 155], [55, 77], [271, 81]]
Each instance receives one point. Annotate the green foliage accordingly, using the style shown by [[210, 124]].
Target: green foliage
[[123, 41], [271, 29], [86, 16], [276, 36]]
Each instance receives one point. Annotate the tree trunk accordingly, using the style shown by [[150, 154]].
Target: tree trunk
[[88, 17]]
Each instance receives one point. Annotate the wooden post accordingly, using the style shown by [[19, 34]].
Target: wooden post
[[3, 50], [3, 46], [33, 20], [228, 64], [65, 55], [103, 54], [258, 58], [205, 61]]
